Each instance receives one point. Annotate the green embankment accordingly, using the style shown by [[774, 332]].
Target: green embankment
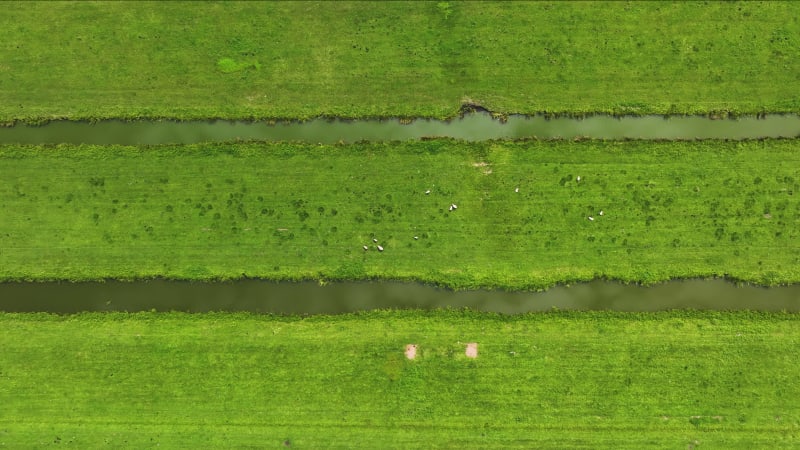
[[85, 60], [289, 211], [555, 380]]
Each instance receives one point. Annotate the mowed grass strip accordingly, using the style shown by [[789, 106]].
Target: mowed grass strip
[[92, 60], [292, 211], [554, 380]]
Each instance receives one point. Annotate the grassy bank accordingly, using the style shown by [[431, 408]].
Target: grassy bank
[[289, 211], [556, 380], [85, 60]]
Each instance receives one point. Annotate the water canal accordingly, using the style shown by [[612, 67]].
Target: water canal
[[311, 298], [334, 298], [471, 127]]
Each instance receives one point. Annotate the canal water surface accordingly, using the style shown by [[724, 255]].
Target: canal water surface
[[334, 298], [311, 298], [471, 127]]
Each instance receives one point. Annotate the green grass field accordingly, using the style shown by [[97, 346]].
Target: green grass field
[[91, 60], [290, 211], [528, 217], [555, 380]]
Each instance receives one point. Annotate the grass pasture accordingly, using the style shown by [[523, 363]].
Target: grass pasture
[[296, 60], [554, 380], [290, 211]]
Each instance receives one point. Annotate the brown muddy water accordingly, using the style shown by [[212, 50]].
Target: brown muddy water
[[470, 127], [334, 298]]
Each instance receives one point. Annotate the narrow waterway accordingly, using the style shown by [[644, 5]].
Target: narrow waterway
[[471, 127], [334, 298], [310, 298]]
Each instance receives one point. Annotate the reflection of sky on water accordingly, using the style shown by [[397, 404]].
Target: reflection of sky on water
[[472, 127], [310, 298]]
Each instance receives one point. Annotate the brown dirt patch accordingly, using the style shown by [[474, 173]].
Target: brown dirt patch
[[411, 351], [472, 350]]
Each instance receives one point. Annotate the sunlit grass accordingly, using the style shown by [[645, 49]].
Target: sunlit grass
[[566, 380], [84, 60], [289, 211]]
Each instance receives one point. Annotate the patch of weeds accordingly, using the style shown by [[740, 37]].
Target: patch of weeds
[[230, 65], [445, 8]]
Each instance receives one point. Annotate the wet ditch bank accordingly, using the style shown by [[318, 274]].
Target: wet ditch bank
[[334, 298], [471, 127]]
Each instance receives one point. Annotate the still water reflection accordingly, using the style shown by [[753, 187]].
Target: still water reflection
[[311, 298], [471, 127]]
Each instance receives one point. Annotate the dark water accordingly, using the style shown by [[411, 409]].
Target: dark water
[[472, 127], [333, 298]]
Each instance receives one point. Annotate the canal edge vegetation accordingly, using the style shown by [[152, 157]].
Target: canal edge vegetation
[[551, 380], [633, 211], [393, 59]]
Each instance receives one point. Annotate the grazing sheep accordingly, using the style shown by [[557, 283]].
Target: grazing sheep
[[578, 179], [591, 218], [453, 206], [366, 248], [601, 212], [516, 190], [380, 249], [374, 240], [427, 192], [416, 237]]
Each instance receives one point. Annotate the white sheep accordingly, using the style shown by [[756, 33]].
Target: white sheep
[[366, 248], [591, 218], [380, 249]]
